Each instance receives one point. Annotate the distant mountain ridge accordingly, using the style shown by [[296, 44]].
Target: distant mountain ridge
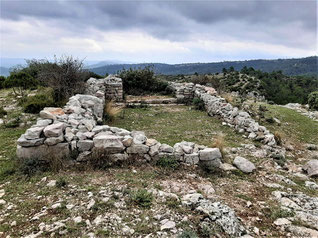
[[296, 66], [4, 71]]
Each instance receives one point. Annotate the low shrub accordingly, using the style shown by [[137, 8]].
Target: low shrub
[[313, 100], [187, 234], [14, 122], [19, 82], [35, 104], [142, 81], [30, 167], [168, 162], [142, 198], [2, 112], [61, 182], [198, 104], [277, 212]]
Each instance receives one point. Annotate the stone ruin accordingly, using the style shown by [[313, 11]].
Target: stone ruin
[[75, 132], [109, 88]]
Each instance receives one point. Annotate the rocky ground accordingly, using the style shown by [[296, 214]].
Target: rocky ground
[[252, 195]]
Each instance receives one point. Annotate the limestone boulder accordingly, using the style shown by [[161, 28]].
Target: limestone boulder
[[54, 140], [164, 148], [244, 165], [127, 141], [191, 158], [54, 130], [311, 167], [138, 149], [22, 141], [154, 149], [44, 152], [33, 133], [109, 143], [51, 112], [210, 157], [43, 122], [85, 145]]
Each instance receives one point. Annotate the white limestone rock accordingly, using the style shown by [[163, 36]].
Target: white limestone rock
[[244, 165], [54, 130]]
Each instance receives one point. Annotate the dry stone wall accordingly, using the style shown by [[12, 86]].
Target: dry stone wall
[[109, 88], [217, 106], [76, 130]]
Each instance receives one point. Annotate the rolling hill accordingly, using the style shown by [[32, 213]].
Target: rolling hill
[[299, 66]]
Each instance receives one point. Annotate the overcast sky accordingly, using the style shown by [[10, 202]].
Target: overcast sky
[[159, 31]]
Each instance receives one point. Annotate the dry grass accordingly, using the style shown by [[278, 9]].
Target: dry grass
[[110, 111], [278, 137], [219, 142], [228, 97]]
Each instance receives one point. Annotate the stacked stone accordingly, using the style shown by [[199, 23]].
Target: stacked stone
[[184, 92], [58, 130], [114, 88], [110, 87], [240, 120], [74, 130]]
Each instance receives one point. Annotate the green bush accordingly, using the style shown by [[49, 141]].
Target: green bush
[[313, 100], [19, 82], [35, 104], [2, 112], [142, 81], [142, 198], [198, 104], [30, 167], [187, 234], [61, 182], [168, 162]]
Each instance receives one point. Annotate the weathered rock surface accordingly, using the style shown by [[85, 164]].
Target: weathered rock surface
[[210, 157], [109, 143], [244, 165], [311, 167], [33, 133], [54, 130]]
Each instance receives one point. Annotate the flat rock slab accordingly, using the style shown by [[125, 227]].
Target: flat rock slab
[[33, 133], [51, 112], [109, 143], [44, 152]]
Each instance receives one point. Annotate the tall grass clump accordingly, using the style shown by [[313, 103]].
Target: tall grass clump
[[110, 111]]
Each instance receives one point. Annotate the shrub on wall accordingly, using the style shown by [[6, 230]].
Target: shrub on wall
[[142, 81], [313, 100]]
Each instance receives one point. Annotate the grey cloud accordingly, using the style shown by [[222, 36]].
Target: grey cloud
[[179, 20]]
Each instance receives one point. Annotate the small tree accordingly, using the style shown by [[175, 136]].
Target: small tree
[[313, 100], [66, 76], [19, 82], [141, 81]]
